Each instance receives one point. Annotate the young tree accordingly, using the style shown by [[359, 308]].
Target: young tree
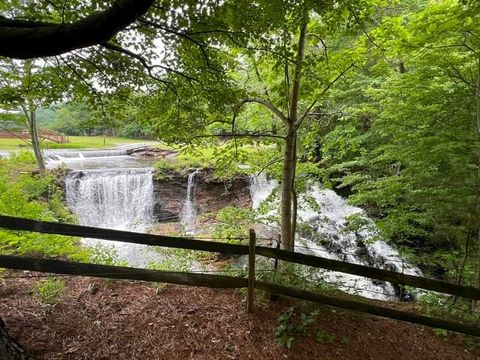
[[299, 51], [24, 87], [285, 67]]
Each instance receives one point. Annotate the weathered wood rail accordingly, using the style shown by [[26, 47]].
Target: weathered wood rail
[[13, 223], [121, 272], [222, 281]]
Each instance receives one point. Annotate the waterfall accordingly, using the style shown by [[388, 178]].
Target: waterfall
[[188, 215], [120, 199], [325, 215]]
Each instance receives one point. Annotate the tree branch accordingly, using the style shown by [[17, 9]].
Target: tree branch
[[85, 82], [265, 103], [185, 36], [145, 63], [22, 39], [234, 135], [306, 113]]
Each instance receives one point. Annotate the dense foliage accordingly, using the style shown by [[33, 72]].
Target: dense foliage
[[26, 194], [402, 134]]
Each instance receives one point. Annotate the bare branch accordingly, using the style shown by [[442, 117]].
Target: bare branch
[[268, 164], [83, 80], [365, 32], [459, 75]]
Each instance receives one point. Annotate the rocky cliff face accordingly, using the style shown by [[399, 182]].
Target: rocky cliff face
[[211, 194]]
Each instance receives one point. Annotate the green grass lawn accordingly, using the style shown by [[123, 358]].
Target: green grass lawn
[[76, 142]]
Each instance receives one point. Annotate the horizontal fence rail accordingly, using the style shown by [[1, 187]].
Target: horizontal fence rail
[[14, 223], [468, 292], [368, 308], [121, 272], [222, 281]]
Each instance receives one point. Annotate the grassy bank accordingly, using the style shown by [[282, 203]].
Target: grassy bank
[[76, 142]]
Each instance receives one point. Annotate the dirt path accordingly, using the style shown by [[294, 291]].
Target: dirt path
[[124, 320]]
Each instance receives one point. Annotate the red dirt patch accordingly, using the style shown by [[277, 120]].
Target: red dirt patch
[[125, 320]]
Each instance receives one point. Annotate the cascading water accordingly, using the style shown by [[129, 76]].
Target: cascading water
[[61, 155], [97, 159], [120, 199], [329, 236], [188, 216], [82, 154]]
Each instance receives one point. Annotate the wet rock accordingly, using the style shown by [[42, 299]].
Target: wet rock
[[211, 194], [361, 251], [407, 297], [152, 152], [162, 215]]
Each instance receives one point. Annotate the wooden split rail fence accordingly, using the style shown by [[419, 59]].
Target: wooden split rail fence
[[223, 281]]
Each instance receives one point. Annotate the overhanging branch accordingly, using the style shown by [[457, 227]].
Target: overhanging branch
[[201, 46], [20, 39]]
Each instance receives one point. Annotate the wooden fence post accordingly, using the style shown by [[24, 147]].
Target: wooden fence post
[[275, 264], [251, 271], [269, 295]]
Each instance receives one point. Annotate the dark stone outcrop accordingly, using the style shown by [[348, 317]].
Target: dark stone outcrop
[[211, 194], [170, 193], [151, 152]]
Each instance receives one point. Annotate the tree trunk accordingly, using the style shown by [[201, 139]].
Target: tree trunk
[[288, 178], [29, 111], [477, 129], [32, 123], [294, 191], [290, 155]]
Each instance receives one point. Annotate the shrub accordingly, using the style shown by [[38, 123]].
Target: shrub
[[23, 193], [50, 290]]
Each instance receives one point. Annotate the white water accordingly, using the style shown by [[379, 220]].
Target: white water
[[188, 216], [60, 155], [98, 159], [329, 237], [120, 199]]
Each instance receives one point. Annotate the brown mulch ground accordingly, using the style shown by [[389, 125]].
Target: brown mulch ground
[[125, 320]]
